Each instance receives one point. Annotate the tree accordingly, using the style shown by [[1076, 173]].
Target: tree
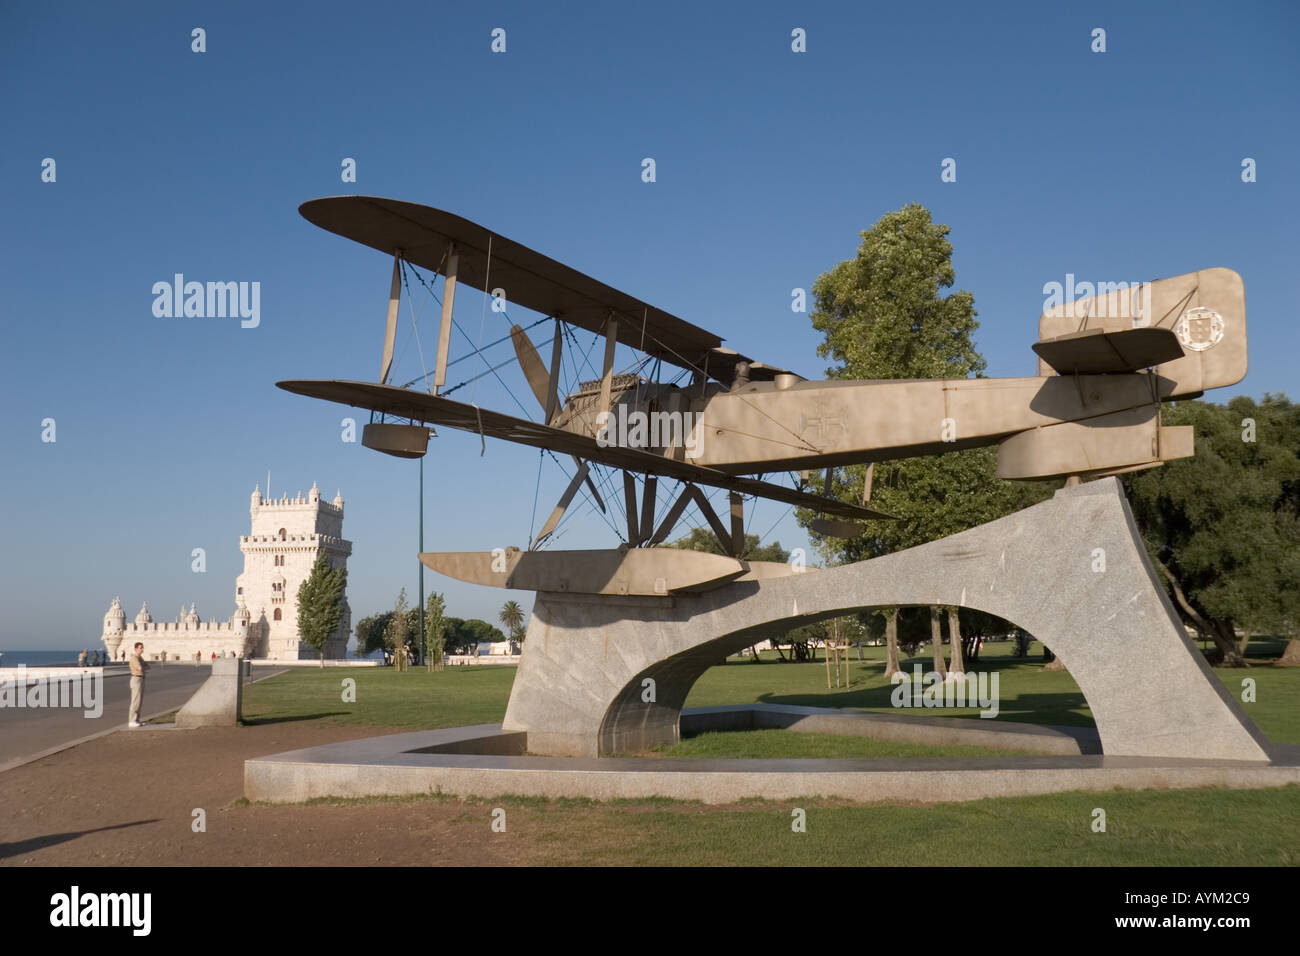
[[320, 604], [1222, 527], [463, 637], [397, 630], [370, 633], [435, 631], [512, 616], [883, 318], [701, 539]]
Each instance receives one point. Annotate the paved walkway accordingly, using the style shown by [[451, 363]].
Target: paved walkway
[[27, 734]]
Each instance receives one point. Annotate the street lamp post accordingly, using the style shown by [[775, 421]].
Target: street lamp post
[[421, 643]]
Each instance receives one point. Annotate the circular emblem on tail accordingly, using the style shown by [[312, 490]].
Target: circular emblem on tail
[[1199, 329]]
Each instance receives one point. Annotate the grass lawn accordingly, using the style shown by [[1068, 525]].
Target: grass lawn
[[783, 744], [413, 700], [1143, 828], [1149, 827], [420, 700]]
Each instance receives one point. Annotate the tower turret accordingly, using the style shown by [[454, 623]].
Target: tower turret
[[114, 627], [115, 619]]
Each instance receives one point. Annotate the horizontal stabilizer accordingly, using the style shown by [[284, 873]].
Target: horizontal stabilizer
[[1205, 310], [1097, 351]]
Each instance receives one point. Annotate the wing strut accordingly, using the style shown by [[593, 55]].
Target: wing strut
[[737, 524], [390, 330], [607, 375], [566, 499], [629, 501], [444, 330], [673, 516], [553, 380], [725, 538]]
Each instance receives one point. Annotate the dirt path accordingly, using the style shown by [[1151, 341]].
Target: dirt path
[[128, 799]]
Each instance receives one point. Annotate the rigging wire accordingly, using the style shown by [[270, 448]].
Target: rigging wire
[[603, 476]]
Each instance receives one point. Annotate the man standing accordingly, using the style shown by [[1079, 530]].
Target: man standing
[[138, 669]]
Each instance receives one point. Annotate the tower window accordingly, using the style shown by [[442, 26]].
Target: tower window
[[281, 534], [277, 614]]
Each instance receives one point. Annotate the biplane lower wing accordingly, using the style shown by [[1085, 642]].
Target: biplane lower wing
[[436, 410]]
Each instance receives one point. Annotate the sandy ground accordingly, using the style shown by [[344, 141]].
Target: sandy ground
[[128, 799]]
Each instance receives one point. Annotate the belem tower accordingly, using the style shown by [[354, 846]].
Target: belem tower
[[286, 536]]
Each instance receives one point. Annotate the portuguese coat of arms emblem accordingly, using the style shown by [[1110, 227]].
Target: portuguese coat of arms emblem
[[1199, 329]]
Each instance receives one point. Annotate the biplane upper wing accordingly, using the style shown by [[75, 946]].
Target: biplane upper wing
[[434, 409], [423, 236]]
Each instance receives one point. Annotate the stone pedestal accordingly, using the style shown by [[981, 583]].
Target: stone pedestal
[[218, 703], [605, 675]]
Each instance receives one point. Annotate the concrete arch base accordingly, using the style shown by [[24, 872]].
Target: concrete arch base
[[603, 675]]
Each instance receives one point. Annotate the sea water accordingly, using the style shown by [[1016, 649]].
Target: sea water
[[43, 658]]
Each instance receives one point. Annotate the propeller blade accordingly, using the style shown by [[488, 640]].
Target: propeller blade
[[539, 380]]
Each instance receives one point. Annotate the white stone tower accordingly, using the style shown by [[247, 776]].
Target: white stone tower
[[287, 535]]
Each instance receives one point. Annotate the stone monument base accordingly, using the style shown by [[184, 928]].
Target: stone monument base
[[219, 702]]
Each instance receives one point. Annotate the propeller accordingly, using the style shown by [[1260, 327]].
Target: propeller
[[539, 380]]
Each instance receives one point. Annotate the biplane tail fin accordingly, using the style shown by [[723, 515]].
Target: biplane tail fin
[[1191, 328]]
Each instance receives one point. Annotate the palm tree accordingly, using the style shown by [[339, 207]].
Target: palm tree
[[512, 616]]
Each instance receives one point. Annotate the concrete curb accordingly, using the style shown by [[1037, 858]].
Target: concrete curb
[[485, 761]]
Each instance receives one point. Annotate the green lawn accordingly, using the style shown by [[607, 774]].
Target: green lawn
[[1199, 827], [1143, 828], [413, 700], [784, 744], [420, 700]]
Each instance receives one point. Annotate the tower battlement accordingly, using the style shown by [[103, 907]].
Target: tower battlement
[[287, 535]]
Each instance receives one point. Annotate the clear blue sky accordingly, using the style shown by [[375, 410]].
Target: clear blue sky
[[1117, 166]]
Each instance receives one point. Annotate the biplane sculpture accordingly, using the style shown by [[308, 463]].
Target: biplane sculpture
[[1106, 364]]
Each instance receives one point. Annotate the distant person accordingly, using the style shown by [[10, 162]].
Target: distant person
[[198, 658], [138, 669], [81, 658], [214, 657]]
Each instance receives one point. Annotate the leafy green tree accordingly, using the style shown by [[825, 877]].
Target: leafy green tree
[[1223, 527], [396, 633], [435, 631], [320, 604], [370, 633], [883, 317], [463, 637], [512, 616], [702, 539]]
